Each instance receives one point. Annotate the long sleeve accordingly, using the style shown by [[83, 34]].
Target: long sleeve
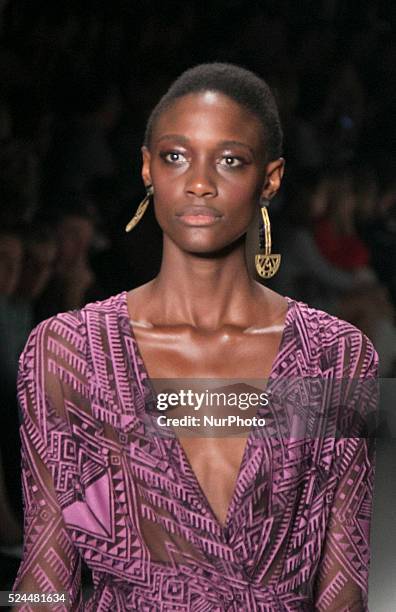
[[342, 578], [50, 562]]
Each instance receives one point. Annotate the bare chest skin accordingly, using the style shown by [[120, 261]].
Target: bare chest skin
[[181, 351]]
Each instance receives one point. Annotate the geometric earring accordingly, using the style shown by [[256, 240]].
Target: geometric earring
[[141, 209], [267, 263]]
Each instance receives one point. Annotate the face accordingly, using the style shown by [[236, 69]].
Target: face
[[207, 164]]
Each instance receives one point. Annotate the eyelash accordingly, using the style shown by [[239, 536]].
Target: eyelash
[[166, 154], [240, 160]]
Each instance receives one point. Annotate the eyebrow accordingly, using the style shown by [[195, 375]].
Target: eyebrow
[[223, 143], [173, 137]]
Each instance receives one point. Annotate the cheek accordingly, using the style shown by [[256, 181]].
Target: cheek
[[241, 199], [243, 184], [241, 195], [168, 197], [167, 182]]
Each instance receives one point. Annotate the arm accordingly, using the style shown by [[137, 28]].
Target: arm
[[342, 578], [50, 561]]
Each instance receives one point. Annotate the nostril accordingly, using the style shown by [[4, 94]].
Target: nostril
[[201, 188]]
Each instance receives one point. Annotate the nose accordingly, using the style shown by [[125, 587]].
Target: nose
[[200, 182]]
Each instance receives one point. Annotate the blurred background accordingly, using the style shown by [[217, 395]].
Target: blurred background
[[77, 82]]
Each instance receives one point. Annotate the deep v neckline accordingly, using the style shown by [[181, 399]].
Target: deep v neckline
[[189, 471]]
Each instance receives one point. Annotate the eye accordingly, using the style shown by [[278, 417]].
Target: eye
[[173, 157], [231, 161]]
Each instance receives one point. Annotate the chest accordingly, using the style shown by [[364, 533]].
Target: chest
[[186, 354], [214, 460]]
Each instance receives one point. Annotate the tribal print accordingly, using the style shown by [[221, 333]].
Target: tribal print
[[98, 486]]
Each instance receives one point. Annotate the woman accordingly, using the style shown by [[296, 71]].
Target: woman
[[254, 522]]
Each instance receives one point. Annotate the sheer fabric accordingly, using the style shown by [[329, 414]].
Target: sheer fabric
[[99, 485]]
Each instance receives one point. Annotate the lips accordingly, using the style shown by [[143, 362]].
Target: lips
[[199, 216]]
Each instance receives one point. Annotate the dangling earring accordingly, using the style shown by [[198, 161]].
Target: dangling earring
[[141, 209], [267, 263]]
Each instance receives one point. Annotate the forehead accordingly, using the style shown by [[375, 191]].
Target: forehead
[[210, 116]]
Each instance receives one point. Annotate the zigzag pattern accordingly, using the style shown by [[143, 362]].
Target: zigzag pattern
[[98, 484]]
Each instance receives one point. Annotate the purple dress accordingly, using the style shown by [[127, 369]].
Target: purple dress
[[98, 486]]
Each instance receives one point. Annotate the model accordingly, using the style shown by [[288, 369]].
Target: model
[[265, 521]]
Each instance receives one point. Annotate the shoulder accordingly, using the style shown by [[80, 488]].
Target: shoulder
[[336, 343], [68, 332], [59, 358]]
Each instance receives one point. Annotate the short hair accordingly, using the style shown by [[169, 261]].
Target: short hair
[[239, 84]]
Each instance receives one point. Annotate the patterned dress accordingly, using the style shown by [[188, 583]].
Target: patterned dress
[[99, 486]]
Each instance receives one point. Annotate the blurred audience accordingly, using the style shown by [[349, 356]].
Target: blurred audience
[[79, 151], [11, 257], [72, 283], [27, 255]]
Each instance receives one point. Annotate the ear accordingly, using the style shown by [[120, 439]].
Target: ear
[[146, 174], [273, 178]]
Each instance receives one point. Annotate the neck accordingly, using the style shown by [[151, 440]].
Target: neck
[[205, 292]]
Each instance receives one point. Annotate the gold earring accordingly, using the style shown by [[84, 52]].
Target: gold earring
[[141, 209], [267, 263]]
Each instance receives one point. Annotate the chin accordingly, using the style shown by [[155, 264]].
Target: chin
[[209, 250], [203, 250], [205, 242]]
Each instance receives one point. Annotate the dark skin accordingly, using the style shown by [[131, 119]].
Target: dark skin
[[203, 316]]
